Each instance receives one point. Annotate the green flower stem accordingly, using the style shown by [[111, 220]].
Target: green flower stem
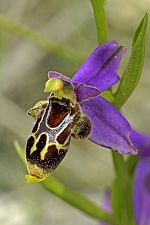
[[119, 166], [76, 200], [100, 19], [122, 187], [41, 41]]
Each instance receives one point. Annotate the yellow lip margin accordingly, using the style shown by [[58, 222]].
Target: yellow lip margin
[[36, 174]]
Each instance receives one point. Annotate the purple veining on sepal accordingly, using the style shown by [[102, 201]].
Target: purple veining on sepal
[[100, 68], [109, 128]]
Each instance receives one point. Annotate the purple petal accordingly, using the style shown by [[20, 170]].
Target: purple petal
[[142, 193], [141, 142], [109, 128], [106, 204], [100, 68], [84, 92]]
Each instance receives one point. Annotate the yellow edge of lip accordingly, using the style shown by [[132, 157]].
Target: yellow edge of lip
[[32, 179]]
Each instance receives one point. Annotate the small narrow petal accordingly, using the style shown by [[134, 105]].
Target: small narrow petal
[[109, 128], [84, 92], [142, 192], [100, 68], [141, 142]]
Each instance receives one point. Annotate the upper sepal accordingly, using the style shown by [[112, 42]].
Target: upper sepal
[[100, 68]]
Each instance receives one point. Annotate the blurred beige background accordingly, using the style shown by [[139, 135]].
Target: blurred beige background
[[23, 71]]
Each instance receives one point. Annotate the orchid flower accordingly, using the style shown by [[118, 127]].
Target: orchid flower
[[55, 123], [108, 126], [97, 74]]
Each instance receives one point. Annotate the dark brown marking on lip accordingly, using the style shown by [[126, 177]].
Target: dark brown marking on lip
[[35, 156], [59, 111], [52, 152], [53, 158], [42, 126], [35, 175], [29, 145], [61, 152], [63, 136], [41, 143], [36, 125]]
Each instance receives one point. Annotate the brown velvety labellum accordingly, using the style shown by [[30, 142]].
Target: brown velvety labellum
[[57, 114]]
